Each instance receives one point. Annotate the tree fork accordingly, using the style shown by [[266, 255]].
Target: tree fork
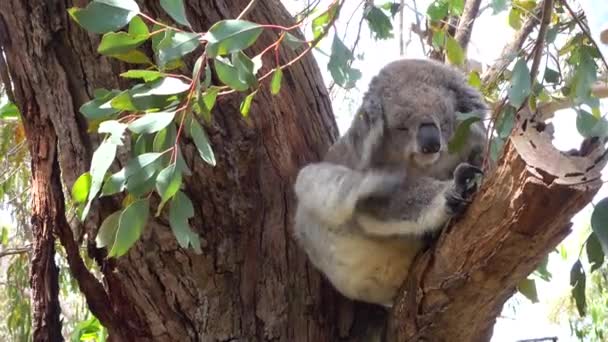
[[523, 210]]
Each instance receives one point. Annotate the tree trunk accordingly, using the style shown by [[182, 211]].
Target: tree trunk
[[251, 283]]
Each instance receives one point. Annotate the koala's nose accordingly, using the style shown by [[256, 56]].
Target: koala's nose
[[429, 139]]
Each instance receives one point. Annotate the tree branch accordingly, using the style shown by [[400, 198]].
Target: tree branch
[[522, 211], [467, 20], [15, 251], [509, 51], [548, 109], [585, 30], [540, 39]]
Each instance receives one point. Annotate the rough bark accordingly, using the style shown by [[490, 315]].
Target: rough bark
[[251, 283], [521, 212], [43, 271]]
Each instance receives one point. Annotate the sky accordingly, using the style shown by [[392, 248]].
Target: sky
[[520, 318]]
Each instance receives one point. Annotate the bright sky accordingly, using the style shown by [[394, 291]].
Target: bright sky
[[520, 318]]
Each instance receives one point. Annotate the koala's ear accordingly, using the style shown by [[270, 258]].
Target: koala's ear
[[468, 99]]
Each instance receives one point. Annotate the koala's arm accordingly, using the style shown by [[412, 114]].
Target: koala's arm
[[422, 205], [331, 192]]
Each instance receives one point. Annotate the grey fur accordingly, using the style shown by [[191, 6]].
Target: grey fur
[[362, 211]]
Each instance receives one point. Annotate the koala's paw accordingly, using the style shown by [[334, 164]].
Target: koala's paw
[[465, 184], [381, 184]]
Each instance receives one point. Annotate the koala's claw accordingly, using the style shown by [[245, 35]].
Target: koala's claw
[[465, 185]]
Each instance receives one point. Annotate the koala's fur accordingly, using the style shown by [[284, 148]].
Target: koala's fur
[[362, 211]]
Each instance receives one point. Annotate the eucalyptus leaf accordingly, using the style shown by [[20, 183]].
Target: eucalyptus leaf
[[107, 231], [520, 83], [233, 35], [151, 122], [81, 188], [101, 16], [577, 281], [202, 142], [130, 227], [176, 10], [275, 83], [180, 211], [168, 183]]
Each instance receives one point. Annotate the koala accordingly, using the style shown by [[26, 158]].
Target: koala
[[364, 210]]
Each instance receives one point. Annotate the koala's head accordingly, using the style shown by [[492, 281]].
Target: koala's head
[[416, 101]]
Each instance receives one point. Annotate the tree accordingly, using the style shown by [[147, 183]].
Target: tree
[[250, 281]]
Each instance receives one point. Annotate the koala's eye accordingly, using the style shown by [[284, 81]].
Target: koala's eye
[[404, 129]]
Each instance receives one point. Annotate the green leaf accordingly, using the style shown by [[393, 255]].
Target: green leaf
[[228, 36], [133, 57], [498, 6], [551, 35], [140, 162], [115, 128], [599, 222], [180, 211], [244, 66], [505, 122], [206, 102], [461, 135], [101, 16], [99, 108], [339, 67], [9, 110], [137, 27], [474, 79], [100, 163], [130, 226], [520, 83], [392, 7], [320, 23], [590, 126], [551, 76], [107, 232], [542, 270], [292, 41], [275, 83], [454, 52], [379, 23], [142, 182], [164, 139], [165, 86], [595, 253], [176, 45], [527, 287], [438, 40], [4, 236], [229, 75], [246, 104], [515, 19], [168, 183], [151, 122], [456, 6], [577, 280], [176, 10], [119, 42], [81, 187], [202, 142], [438, 10], [146, 75], [584, 78], [496, 148], [114, 184], [143, 144]]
